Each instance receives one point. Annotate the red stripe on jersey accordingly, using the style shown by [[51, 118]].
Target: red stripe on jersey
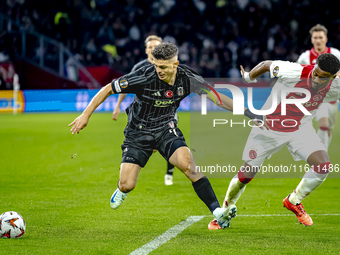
[[292, 120], [333, 102], [313, 55]]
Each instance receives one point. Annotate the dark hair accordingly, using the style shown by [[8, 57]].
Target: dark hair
[[165, 51], [328, 63]]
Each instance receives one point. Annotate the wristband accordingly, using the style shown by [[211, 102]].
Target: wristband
[[252, 116], [247, 78]]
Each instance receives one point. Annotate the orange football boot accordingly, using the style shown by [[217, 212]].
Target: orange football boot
[[299, 211], [213, 225]]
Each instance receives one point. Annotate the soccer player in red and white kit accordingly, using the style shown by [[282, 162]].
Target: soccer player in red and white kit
[[327, 112], [294, 130]]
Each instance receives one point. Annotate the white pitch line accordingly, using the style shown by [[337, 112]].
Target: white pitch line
[[174, 231], [166, 236]]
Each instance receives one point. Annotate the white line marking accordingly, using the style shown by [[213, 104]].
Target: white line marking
[[174, 231], [166, 236]]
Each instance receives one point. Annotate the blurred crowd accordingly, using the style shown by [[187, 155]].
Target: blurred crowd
[[214, 36]]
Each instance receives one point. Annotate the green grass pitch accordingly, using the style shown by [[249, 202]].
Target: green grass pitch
[[61, 184]]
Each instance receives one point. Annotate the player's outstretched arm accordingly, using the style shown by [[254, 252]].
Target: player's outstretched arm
[[81, 122], [257, 71], [117, 109], [227, 103]]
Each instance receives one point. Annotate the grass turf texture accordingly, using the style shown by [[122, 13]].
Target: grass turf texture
[[61, 184]]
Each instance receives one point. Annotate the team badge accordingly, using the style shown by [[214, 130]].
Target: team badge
[[252, 154], [172, 124], [169, 94], [276, 71], [180, 91], [317, 98], [123, 83]]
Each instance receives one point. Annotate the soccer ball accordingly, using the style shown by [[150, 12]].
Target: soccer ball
[[12, 225]]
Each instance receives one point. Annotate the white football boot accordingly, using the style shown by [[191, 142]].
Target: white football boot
[[117, 199], [168, 180], [224, 215]]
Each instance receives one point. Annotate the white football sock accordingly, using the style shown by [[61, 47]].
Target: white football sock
[[323, 134], [234, 192], [310, 181]]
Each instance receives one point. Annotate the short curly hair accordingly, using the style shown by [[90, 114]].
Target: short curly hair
[[328, 63], [165, 51]]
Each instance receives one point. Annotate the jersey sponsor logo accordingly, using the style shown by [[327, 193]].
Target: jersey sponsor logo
[[157, 94], [180, 91], [252, 154], [169, 94], [117, 86], [123, 83], [276, 71], [161, 103]]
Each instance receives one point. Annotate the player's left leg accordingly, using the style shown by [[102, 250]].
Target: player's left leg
[[168, 178], [317, 157], [182, 158], [323, 131]]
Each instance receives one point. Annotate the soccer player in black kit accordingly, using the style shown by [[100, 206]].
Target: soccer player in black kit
[[152, 124], [150, 43]]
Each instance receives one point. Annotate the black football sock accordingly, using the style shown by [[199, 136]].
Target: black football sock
[[170, 169], [206, 193]]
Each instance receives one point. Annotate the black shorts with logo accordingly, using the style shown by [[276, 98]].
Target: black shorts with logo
[[139, 145]]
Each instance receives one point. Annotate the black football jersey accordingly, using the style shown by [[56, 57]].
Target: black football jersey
[[141, 64], [156, 101]]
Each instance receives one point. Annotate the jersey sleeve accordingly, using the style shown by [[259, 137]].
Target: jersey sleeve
[[303, 58], [199, 86], [334, 93], [335, 52], [132, 82], [285, 69]]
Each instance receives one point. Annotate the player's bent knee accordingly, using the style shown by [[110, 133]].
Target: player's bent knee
[[127, 186]]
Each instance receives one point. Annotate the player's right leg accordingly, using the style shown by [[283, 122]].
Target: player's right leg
[[236, 187], [137, 149], [127, 182]]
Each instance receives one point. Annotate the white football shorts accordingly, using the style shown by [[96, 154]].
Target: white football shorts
[[329, 111], [261, 144]]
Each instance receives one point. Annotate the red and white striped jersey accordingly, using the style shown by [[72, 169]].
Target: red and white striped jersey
[[293, 75], [309, 57]]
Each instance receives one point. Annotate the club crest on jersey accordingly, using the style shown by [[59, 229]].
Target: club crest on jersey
[[317, 97], [123, 83], [252, 154], [172, 124], [180, 91], [276, 71], [169, 94]]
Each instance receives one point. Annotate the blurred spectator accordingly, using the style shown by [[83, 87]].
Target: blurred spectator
[[214, 37]]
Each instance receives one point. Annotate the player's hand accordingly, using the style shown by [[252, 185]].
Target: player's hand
[[262, 123], [246, 77], [242, 71], [115, 113], [79, 123]]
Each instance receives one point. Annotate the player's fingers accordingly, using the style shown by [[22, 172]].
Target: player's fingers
[[72, 123], [242, 70]]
